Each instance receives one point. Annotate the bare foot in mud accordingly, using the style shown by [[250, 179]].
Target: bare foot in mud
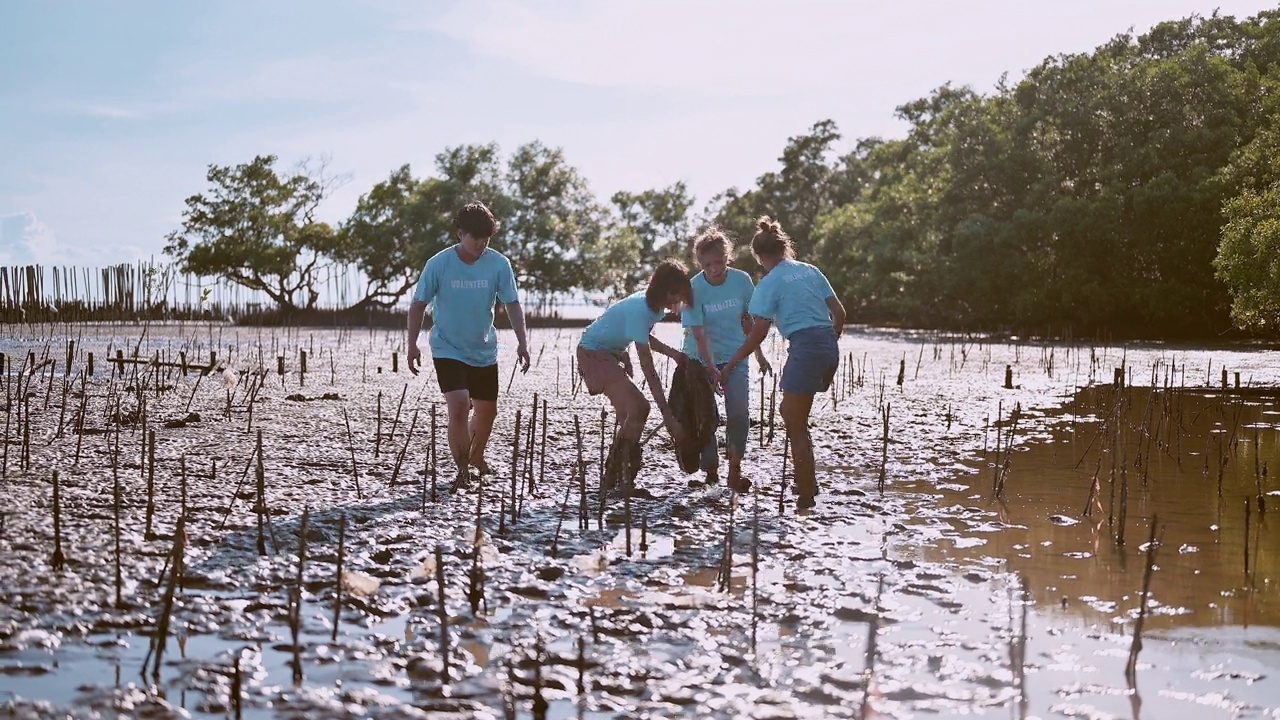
[[464, 480]]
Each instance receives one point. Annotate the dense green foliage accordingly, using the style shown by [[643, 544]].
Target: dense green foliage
[[1132, 189], [1091, 195]]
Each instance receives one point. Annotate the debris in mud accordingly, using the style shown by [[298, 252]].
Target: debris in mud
[[299, 397], [191, 417]]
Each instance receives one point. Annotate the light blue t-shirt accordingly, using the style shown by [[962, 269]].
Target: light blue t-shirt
[[793, 296], [627, 321], [463, 297], [718, 309]]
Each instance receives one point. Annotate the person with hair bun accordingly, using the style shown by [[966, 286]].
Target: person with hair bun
[[716, 324], [605, 367], [797, 298]]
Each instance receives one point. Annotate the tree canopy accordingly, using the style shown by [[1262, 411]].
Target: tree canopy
[[1132, 189]]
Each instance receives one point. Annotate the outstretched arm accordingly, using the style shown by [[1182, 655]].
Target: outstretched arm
[[515, 313], [759, 331], [659, 396], [665, 349]]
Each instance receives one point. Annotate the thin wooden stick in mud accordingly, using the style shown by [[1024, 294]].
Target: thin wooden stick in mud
[[377, 429], [1248, 521], [542, 466], [26, 432], [337, 582], [58, 561], [237, 691], [84, 402], [260, 505], [1131, 667], [773, 415], [555, 539], [395, 422], [431, 452], [1018, 644], [395, 473], [502, 515], [530, 446], [626, 513], [884, 448], [512, 378], [295, 597], [116, 497], [603, 414], [10, 401], [726, 559], [475, 593], [62, 412], [782, 479], [872, 631], [760, 440], [148, 532], [515, 463], [443, 613], [583, 519], [176, 568], [582, 669], [355, 471], [539, 704], [644, 534], [1257, 477], [194, 388], [755, 566], [235, 493]]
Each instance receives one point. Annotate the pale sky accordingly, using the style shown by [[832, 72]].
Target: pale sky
[[110, 112]]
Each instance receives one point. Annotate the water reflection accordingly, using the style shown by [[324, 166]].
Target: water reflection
[[1172, 450]]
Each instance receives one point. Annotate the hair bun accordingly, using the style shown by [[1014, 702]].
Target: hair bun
[[769, 225]]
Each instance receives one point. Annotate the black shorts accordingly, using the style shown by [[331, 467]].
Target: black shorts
[[480, 382]]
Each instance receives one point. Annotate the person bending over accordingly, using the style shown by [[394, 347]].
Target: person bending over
[[605, 367]]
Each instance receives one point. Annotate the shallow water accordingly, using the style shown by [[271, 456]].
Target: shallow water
[[931, 569]]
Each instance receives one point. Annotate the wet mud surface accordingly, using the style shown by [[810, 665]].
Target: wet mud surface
[[921, 594]]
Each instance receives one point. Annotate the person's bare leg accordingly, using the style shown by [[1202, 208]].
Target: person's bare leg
[[483, 413], [458, 405], [795, 417], [632, 410], [631, 407]]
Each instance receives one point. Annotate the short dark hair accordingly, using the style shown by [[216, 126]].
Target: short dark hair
[[769, 240], [477, 220], [670, 276]]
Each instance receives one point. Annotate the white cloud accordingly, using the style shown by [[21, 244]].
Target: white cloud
[[24, 240], [748, 46]]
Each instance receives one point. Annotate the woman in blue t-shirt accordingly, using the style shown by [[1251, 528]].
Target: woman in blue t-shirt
[[716, 324], [605, 367], [797, 298]]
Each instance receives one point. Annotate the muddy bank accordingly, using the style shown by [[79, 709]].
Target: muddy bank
[[908, 601]]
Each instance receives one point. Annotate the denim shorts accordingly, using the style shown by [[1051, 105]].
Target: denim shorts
[[812, 357]]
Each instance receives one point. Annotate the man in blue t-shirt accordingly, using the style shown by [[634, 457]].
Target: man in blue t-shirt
[[462, 282]]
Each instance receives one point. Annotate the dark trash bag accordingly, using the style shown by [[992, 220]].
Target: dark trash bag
[[693, 402]]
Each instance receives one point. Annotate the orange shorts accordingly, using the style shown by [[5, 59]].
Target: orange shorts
[[599, 368]]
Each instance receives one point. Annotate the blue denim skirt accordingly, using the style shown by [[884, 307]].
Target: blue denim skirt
[[812, 357]]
